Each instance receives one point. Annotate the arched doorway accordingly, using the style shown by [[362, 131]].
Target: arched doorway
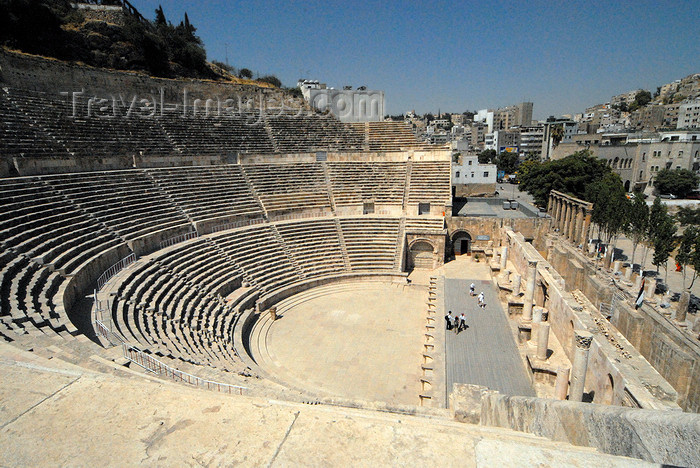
[[461, 243], [421, 254], [627, 186]]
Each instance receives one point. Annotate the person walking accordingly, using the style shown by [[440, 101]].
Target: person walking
[[471, 289], [449, 320], [462, 322], [480, 300]]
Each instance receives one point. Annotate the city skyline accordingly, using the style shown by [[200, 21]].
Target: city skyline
[[456, 57]]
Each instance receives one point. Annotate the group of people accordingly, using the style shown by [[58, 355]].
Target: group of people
[[480, 298], [457, 323]]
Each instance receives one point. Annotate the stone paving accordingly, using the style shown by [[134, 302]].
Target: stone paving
[[359, 343], [485, 353]]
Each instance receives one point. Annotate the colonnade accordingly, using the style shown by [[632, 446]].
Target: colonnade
[[570, 216]]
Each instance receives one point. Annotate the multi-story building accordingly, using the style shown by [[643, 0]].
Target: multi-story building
[[478, 137], [671, 115], [531, 138], [649, 117], [624, 98], [512, 116], [637, 158], [689, 115], [471, 178], [668, 90]]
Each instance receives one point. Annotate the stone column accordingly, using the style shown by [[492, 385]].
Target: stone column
[[542, 341], [572, 223], [565, 223], [561, 384], [529, 291], [682, 309], [696, 325], [516, 284], [578, 234], [550, 204], [650, 287], [557, 213], [586, 227], [582, 345], [504, 257]]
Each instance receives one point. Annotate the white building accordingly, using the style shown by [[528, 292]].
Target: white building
[[689, 115], [349, 105], [471, 178]]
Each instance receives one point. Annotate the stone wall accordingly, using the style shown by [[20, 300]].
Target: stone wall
[[109, 13], [673, 354], [350, 156], [617, 373], [27, 165], [667, 437], [54, 76], [470, 190], [532, 229], [437, 241]]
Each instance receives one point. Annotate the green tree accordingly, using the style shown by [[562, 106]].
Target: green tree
[[689, 253], [160, 17], [611, 207], [272, 79], [638, 222], [688, 216], [487, 156], [679, 182], [507, 162], [245, 73], [571, 175], [664, 243]]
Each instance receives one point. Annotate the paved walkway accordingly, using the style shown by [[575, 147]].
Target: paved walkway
[[484, 354]]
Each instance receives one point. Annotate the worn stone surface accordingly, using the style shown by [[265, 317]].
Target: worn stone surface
[[106, 420], [657, 436]]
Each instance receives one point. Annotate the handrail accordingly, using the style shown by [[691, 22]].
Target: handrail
[[152, 364], [114, 269], [177, 239]]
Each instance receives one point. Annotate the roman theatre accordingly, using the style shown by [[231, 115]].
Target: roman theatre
[[239, 284]]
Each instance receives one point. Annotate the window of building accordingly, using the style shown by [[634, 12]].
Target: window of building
[[457, 174], [644, 156], [680, 154], [469, 163], [472, 174], [640, 174], [486, 174]]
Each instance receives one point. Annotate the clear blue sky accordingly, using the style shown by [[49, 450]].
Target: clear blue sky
[[456, 56]]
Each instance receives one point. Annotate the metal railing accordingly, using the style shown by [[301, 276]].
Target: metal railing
[[114, 269], [177, 239], [237, 224], [304, 215], [103, 330], [152, 364]]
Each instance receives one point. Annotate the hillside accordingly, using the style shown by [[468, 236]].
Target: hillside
[[113, 35]]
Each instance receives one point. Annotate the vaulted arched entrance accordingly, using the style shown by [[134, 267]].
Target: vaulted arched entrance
[[461, 243]]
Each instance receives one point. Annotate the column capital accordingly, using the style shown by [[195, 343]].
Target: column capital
[[583, 339]]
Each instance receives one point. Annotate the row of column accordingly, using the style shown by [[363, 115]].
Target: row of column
[[571, 218], [581, 341]]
